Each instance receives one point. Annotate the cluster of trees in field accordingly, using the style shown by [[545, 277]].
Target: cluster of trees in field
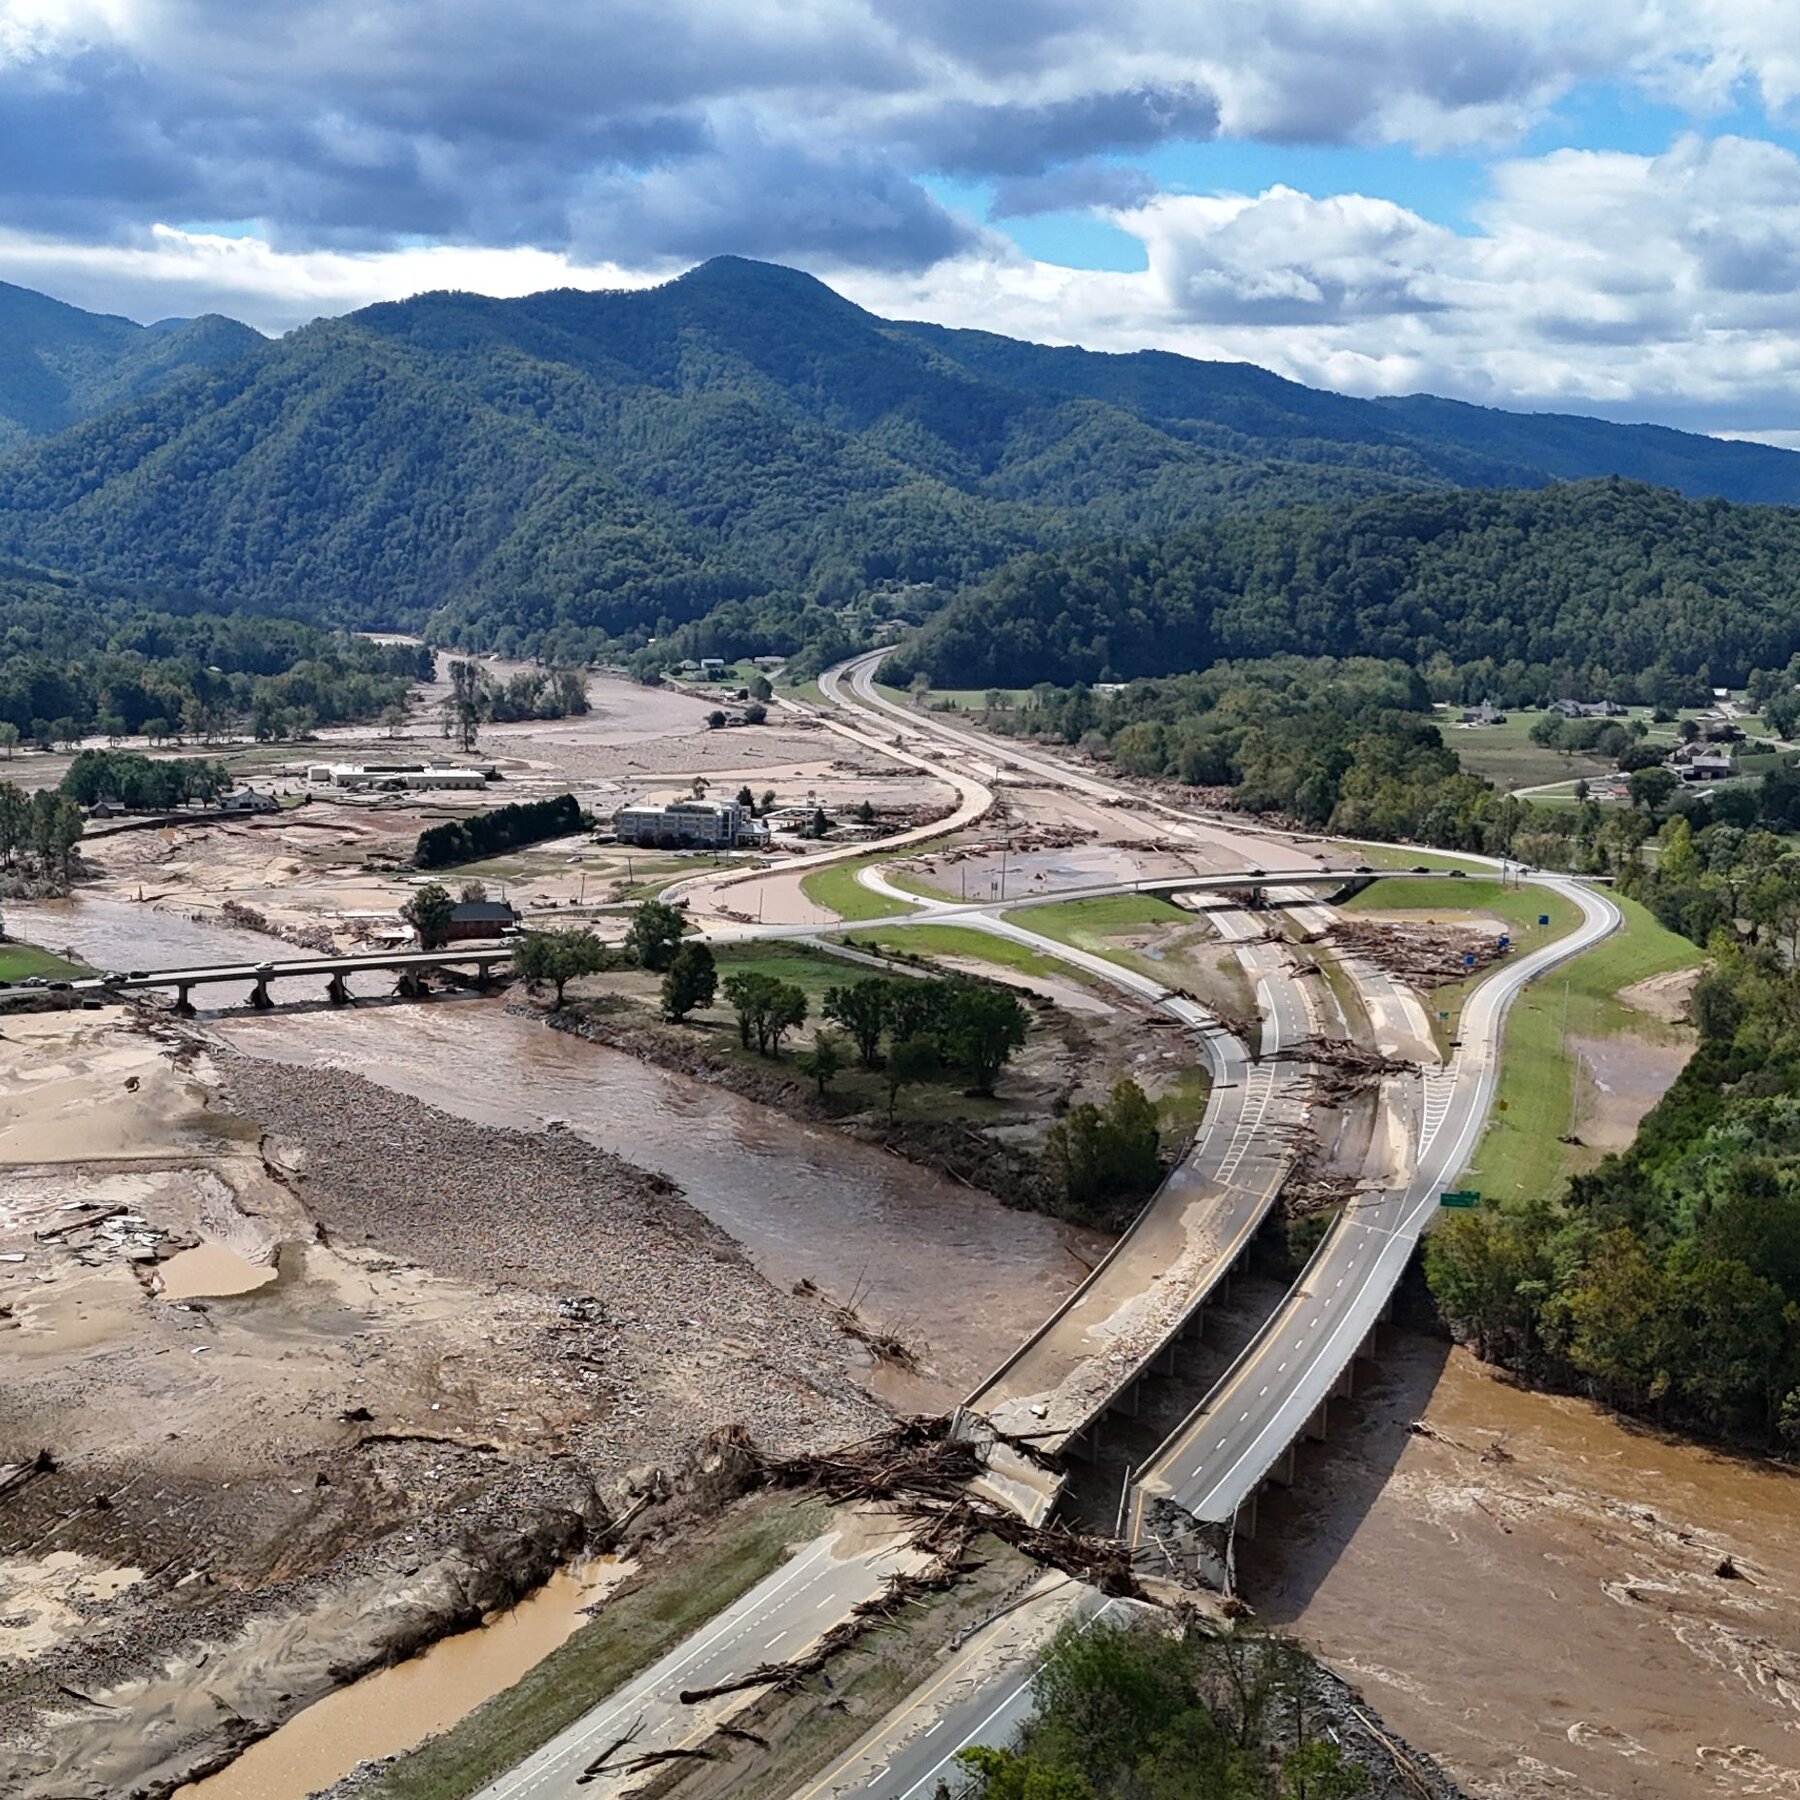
[[507, 827], [478, 697], [1667, 1281], [1141, 1712], [78, 660], [40, 830], [1347, 745], [1597, 589], [914, 1027], [144, 783], [1104, 1157], [653, 941]]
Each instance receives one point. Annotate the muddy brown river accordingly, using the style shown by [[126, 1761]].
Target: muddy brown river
[[945, 1267], [1521, 1584]]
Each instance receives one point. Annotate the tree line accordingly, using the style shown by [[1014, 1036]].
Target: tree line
[[1591, 589], [40, 830], [506, 827], [79, 660], [1144, 1712], [1667, 1281], [144, 783]]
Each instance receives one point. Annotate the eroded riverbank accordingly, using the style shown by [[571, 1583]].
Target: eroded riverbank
[[470, 1330]]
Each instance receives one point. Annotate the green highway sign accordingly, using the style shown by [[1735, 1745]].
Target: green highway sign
[[1460, 1197]]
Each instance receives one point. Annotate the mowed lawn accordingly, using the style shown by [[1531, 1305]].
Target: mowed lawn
[[1093, 925], [966, 941], [837, 890], [18, 961], [1520, 1155], [813, 971], [1506, 756]]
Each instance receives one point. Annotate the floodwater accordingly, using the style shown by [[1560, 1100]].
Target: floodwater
[[958, 1276], [952, 1272], [397, 1708], [1532, 1591], [211, 1272]]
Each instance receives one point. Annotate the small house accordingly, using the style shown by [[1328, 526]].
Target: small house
[[248, 800], [472, 920]]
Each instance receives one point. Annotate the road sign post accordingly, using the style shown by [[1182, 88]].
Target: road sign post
[[1462, 1198]]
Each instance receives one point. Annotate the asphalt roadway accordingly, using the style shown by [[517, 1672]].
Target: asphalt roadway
[[783, 1615], [982, 1695], [1215, 1461]]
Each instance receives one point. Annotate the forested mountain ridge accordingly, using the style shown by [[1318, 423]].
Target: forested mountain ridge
[[574, 472], [59, 365], [1581, 586]]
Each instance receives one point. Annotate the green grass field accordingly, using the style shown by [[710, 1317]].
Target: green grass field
[[18, 961], [1405, 856], [1092, 925], [963, 940], [811, 970], [628, 1635], [1519, 1156], [1506, 756], [964, 699], [837, 890]]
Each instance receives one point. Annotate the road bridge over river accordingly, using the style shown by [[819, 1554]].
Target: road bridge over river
[[410, 966], [904, 1756]]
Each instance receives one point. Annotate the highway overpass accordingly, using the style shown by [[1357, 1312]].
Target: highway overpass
[[1199, 1487]]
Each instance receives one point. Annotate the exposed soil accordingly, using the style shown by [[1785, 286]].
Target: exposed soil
[[1666, 997], [469, 1329]]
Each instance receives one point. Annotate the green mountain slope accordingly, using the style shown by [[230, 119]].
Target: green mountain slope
[[59, 364], [1505, 592], [573, 470]]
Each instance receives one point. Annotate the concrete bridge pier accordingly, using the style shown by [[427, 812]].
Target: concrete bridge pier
[[337, 990], [411, 985], [184, 1005], [259, 996], [1315, 1426]]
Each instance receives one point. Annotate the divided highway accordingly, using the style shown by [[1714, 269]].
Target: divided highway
[[783, 1615], [1214, 1463]]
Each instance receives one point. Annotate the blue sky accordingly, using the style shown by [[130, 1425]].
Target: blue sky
[[1594, 209]]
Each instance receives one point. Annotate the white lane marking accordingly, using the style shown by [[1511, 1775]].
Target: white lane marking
[[532, 1773]]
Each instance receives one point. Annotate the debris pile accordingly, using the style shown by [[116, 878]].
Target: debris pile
[[1424, 956], [1342, 1068], [922, 1472]]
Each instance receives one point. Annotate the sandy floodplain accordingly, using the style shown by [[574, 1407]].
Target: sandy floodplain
[[302, 1373]]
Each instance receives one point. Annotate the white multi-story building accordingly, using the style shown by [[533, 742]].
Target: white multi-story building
[[689, 825]]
